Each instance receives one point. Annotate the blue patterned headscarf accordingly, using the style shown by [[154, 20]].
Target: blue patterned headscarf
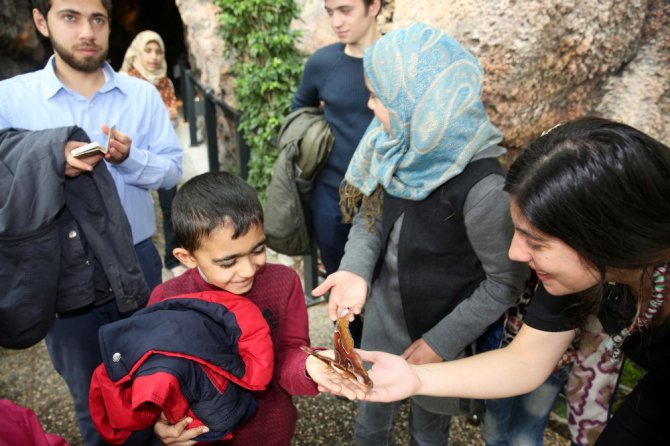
[[431, 87]]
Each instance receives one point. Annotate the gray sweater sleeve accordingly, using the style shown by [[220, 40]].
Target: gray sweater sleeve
[[489, 228], [362, 249]]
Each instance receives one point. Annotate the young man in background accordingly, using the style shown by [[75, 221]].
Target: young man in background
[[333, 79]]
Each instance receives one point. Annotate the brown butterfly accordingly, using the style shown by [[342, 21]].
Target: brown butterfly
[[346, 359]]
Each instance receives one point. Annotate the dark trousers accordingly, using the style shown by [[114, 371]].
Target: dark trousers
[[374, 422], [165, 197], [74, 350], [521, 420], [331, 236], [73, 347], [330, 233], [150, 262]]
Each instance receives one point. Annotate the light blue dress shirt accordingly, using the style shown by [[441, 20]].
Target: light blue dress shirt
[[39, 100]]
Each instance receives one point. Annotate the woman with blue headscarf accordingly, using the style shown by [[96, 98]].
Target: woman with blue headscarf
[[431, 223]]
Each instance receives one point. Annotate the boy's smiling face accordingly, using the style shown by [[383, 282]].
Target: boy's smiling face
[[227, 263]]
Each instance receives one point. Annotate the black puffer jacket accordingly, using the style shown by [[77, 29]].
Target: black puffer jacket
[[50, 228]]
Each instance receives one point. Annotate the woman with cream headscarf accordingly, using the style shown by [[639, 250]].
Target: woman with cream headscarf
[[431, 223], [145, 59]]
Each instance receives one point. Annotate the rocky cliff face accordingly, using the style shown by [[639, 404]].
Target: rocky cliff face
[[206, 48], [20, 49], [546, 61]]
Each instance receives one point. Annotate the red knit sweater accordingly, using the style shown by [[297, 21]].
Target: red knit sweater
[[278, 293]]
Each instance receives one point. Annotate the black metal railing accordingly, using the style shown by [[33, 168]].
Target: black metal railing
[[200, 99]]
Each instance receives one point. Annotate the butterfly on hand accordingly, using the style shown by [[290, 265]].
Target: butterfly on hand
[[346, 359]]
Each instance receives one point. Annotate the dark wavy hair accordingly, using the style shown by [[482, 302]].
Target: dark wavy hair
[[210, 201], [601, 187]]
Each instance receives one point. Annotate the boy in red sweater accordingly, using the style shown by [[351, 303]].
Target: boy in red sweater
[[218, 221]]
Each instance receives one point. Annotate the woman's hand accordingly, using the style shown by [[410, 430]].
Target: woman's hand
[[331, 380], [420, 353], [347, 290], [177, 434], [392, 377]]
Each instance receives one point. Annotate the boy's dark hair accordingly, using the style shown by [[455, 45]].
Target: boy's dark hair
[[212, 200], [43, 6]]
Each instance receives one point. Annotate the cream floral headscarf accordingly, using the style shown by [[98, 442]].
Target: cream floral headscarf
[[133, 56]]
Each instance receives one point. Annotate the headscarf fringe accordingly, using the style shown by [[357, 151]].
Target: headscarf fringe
[[352, 200]]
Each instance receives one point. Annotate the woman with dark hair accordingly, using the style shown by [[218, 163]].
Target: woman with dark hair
[[590, 201]]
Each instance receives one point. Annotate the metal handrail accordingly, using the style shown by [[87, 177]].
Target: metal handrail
[[189, 84]]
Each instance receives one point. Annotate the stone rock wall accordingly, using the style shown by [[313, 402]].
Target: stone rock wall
[[313, 22], [547, 61], [639, 94], [205, 45], [206, 51], [20, 48]]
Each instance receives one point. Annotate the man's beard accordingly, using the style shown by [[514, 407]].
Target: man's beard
[[86, 65]]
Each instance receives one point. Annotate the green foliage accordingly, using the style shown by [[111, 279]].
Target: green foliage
[[631, 374], [267, 69]]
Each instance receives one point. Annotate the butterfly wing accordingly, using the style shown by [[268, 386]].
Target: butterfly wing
[[345, 355]]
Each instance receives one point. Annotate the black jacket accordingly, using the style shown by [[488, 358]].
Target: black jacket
[[144, 372], [429, 259], [54, 233]]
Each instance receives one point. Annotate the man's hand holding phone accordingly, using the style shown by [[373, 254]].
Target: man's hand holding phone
[[94, 148], [75, 166], [118, 145], [81, 157]]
